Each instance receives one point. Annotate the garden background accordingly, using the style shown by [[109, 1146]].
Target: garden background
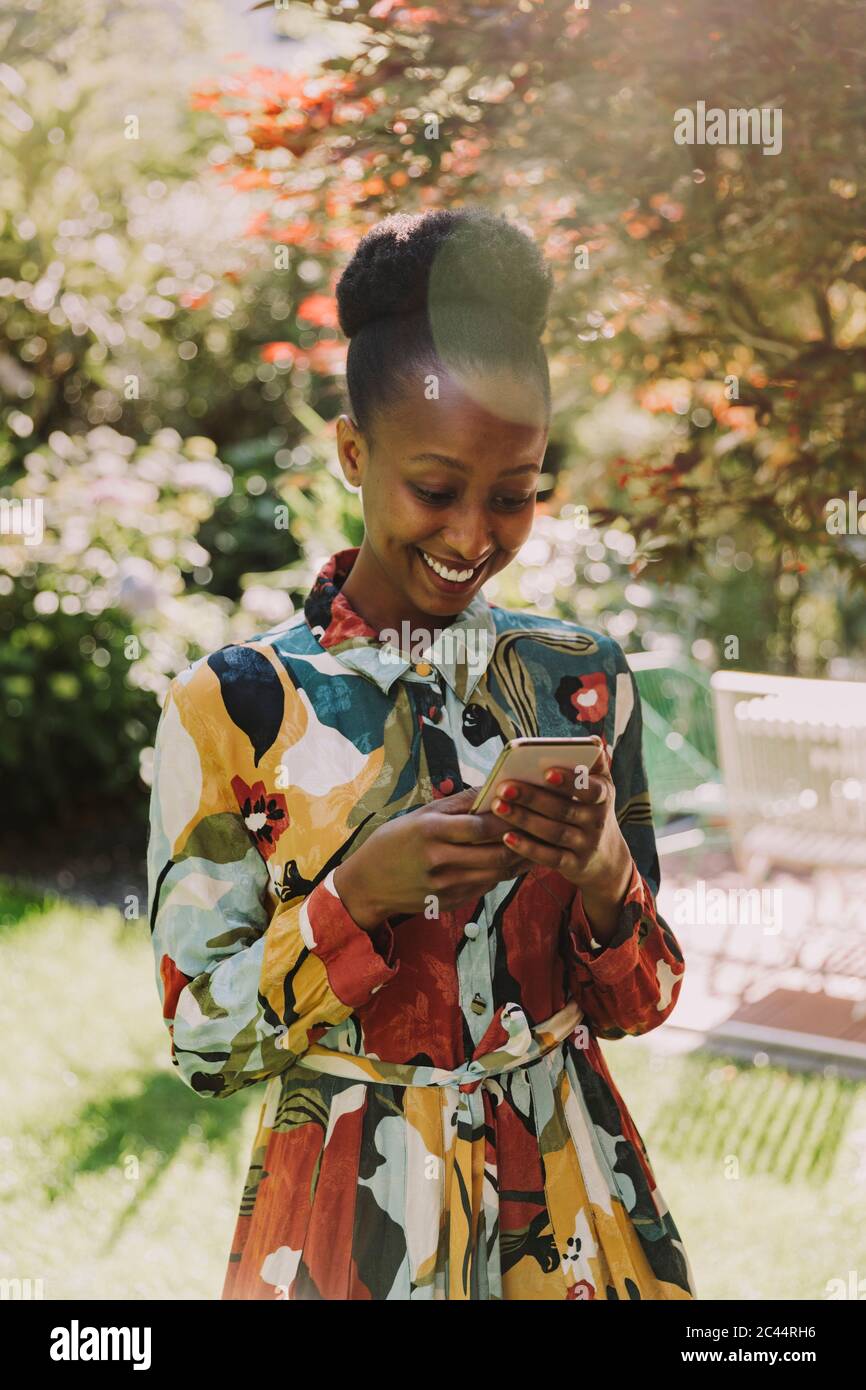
[[180, 187]]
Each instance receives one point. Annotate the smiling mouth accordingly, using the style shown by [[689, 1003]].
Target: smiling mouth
[[450, 572]]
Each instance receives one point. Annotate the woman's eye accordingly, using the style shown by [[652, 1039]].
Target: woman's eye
[[427, 496], [513, 504], [438, 499]]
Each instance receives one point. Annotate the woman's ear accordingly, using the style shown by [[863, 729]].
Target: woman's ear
[[351, 450]]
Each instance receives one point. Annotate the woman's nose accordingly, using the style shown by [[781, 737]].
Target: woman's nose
[[470, 539]]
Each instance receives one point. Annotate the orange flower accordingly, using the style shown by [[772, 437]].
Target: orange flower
[[280, 352], [406, 14], [319, 309], [294, 235], [256, 225], [252, 178], [328, 358], [190, 300], [203, 100]]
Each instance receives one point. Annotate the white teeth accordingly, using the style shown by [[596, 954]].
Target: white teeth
[[455, 576]]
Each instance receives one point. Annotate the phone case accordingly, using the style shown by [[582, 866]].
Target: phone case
[[527, 760]]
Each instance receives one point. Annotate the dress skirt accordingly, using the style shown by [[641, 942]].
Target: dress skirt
[[509, 1178]]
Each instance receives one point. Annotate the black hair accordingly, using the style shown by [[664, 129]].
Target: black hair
[[463, 288]]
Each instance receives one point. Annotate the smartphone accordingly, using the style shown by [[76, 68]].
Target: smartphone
[[527, 760]]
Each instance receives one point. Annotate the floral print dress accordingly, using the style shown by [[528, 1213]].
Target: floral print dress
[[437, 1119]]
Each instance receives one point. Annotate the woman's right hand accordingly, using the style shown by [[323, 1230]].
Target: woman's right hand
[[441, 850]]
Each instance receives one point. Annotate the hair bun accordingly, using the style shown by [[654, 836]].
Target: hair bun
[[411, 262]]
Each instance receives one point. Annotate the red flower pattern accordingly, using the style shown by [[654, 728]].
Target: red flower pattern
[[265, 814]]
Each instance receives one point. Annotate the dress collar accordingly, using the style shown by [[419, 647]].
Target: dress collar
[[460, 654]]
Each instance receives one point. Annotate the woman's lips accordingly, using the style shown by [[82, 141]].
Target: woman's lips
[[450, 586]]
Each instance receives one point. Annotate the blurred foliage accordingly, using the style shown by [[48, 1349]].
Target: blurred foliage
[[98, 615], [722, 288], [171, 232], [91, 616], [110, 236]]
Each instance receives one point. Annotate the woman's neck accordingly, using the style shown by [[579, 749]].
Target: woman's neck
[[372, 594]]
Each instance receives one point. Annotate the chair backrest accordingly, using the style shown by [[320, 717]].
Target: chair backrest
[[792, 753]]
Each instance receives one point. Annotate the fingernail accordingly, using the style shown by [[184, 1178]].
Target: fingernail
[[510, 839], [502, 807], [553, 775], [508, 790]]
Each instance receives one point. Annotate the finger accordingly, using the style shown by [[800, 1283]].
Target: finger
[[577, 778], [603, 765], [576, 827], [458, 803], [553, 803], [476, 828], [588, 787], [488, 858], [566, 861]]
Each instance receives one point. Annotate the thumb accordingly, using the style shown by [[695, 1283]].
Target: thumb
[[603, 765], [458, 802]]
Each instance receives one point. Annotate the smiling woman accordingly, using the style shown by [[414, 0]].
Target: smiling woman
[[450, 405], [424, 1001]]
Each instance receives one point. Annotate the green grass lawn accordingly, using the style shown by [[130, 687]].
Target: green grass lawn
[[763, 1169], [117, 1182]]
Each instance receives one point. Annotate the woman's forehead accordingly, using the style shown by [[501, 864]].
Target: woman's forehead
[[498, 408]]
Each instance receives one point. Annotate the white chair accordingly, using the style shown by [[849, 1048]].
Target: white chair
[[793, 760]]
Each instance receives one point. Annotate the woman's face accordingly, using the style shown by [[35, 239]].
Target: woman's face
[[450, 481]]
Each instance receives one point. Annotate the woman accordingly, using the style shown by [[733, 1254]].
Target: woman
[[423, 989]]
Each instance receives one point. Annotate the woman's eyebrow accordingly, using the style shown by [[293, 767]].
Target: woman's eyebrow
[[450, 462]]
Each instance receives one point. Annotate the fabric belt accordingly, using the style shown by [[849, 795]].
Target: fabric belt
[[469, 1197]]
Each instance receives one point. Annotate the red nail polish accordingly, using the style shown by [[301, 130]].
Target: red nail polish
[[553, 775], [510, 839], [510, 790]]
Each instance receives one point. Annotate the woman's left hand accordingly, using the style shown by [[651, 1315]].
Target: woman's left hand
[[570, 828]]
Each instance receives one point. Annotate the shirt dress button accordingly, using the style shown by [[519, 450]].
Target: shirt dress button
[[471, 930], [478, 1005], [423, 668]]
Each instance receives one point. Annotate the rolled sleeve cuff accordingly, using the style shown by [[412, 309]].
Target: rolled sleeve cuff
[[358, 962], [618, 958]]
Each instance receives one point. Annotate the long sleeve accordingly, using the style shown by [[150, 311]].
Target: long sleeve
[[242, 996], [631, 984]]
